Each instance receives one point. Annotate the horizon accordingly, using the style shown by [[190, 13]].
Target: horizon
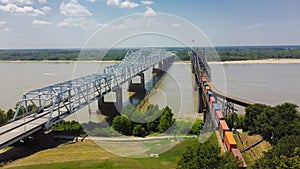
[[163, 47]]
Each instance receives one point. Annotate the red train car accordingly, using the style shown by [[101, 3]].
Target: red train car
[[237, 153]]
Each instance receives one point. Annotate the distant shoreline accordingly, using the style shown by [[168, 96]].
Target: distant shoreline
[[262, 61]]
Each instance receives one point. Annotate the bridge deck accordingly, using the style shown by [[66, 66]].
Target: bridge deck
[[231, 98]]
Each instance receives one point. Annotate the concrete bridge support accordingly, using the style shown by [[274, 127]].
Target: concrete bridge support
[[137, 87], [111, 108], [158, 69], [164, 65]]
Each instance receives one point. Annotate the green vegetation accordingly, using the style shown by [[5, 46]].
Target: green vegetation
[[236, 121], [279, 125], [206, 155], [138, 123], [253, 53], [69, 127], [87, 154], [61, 54], [273, 122], [284, 155], [244, 140], [224, 53], [6, 116]]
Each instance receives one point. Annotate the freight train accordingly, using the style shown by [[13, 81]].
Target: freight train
[[228, 140]]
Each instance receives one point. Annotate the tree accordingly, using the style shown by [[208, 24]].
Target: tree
[[3, 118], [206, 155], [122, 124], [273, 122], [139, 131], [252, 111], [166, 119], [10, 114], [285, 154], [197, 127]]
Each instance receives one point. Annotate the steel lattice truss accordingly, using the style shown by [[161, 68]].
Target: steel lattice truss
[[62, 99]]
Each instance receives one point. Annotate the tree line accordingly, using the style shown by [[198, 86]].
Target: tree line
[[213, 54], [9, 114]]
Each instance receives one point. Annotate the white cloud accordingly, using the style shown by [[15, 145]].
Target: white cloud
[[42, 1], [124, 4], [79, 22], [16, 9], [2, 26], [176, 25], [128, 4], [149, 12], [40, 22], [46, 8], [2, 23], [74, 9], [113, 2], [27, 2], [91, 0], [147, 2], [6, 29]]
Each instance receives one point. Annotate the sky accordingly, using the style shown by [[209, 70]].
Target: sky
[[75, 23]]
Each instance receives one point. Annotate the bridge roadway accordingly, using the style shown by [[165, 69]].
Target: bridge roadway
[[55, 102]]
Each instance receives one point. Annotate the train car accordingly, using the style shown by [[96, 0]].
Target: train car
[[203, 79], [237, 153], [207, 88], [215, 107], [210, 93], [211, 101], [229, 140], [223, 127], [219, 115]]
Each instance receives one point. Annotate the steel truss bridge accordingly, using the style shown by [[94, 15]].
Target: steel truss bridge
[[41, 108], [201, 68]]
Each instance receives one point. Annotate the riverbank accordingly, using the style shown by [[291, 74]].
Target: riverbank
[[263, 61]]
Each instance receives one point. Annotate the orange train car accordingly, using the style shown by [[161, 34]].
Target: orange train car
[[207, 88], [223, 127], [229, 140]]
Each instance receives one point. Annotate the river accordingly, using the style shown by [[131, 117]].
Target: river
[[264, 83]]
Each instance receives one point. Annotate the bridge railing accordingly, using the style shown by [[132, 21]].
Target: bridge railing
[[136, 62]]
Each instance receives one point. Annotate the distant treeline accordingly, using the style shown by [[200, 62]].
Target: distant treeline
[[213, 54]]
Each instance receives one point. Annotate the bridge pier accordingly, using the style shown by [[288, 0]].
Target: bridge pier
[[111, 108], [137, 87], [164, 65]]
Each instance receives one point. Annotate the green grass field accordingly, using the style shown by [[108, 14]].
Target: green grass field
[[87, 154]]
